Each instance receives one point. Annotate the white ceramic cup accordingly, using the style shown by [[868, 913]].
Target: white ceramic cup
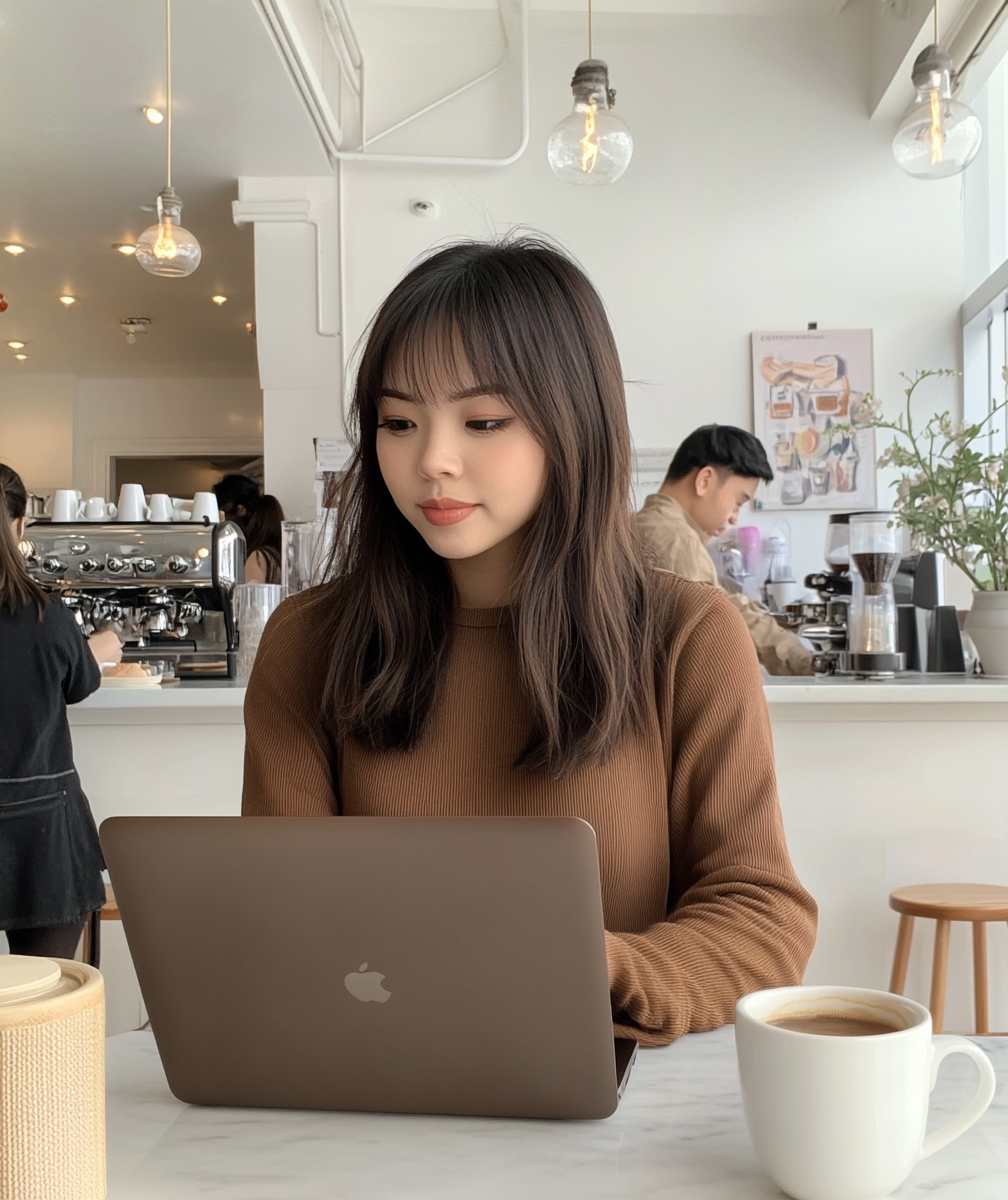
[[161, 507], [67, 505], [843, 1118], [133, 503], [182, 509], [205, 505], [784, 591], [96, 509]]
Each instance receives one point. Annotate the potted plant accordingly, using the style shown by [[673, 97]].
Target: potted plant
[[952, 496]]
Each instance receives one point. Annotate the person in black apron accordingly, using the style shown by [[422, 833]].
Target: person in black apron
[[50, 859]]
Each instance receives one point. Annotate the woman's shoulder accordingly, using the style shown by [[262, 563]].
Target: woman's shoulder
[[681, 604], [294, 625]]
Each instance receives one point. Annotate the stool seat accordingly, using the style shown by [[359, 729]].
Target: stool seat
[[952, 901], [943, 903]]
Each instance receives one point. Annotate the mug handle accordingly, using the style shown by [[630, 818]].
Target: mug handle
[[112, 510], [942, 1046]]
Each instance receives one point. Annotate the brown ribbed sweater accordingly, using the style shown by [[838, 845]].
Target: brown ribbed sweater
[[700, 899]]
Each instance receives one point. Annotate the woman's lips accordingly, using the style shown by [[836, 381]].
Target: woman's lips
[[446, 511]]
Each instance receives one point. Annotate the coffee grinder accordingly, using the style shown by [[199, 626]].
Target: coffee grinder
[[875, 555]]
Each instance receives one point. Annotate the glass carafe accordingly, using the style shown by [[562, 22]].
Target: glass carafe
[[875, 552]]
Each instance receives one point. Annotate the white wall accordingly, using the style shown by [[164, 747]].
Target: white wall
[[58, 431], [760, 196], [36, 429], [161, 417]]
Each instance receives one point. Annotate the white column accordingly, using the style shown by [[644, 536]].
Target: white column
[[297, 326]]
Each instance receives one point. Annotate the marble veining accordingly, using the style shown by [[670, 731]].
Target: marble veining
[[679, 1132]]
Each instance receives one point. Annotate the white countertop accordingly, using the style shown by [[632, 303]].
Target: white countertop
[[678, 1132], [225, 698]]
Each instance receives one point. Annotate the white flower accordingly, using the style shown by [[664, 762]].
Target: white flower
[[993, 470]]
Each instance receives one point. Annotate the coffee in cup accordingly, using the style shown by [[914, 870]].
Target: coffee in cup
[[835, 1088]]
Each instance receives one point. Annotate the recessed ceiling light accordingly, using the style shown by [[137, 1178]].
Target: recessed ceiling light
[[14, 249], [21, 357], [16, 345], [125, 248], [219, 300], [154, 115], [68, 300]]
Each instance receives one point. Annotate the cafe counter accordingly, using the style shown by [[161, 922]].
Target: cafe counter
[[882, 784]]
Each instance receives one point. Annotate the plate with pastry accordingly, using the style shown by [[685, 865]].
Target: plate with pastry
[[131, 675]]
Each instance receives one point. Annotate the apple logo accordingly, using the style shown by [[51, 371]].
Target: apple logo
[[366, 985]]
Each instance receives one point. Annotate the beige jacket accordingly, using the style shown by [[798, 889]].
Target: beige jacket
[[680, 546]]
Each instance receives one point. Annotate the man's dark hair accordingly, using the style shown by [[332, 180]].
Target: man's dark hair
[[234, 490], [730, 451]]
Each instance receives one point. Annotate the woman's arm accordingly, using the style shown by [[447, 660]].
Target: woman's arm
[[290, 760], [739, 920], [255, 568]]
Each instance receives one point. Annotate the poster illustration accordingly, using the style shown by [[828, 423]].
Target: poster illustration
[[808, 394]]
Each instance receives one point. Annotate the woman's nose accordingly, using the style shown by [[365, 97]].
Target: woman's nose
[[439, 456]]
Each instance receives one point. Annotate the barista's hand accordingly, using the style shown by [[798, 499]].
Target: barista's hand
[[105, 646]]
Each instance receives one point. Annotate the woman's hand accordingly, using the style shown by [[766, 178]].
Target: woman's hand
[[105, 646]]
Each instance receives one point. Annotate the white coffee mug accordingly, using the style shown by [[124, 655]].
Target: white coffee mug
[[205, 506], [67, 505], [784, 591], [96, 509], [161, 507], [844, 1118], [132, 503], [182, 509]]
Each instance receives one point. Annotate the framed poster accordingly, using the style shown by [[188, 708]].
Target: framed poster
[[808, 393]]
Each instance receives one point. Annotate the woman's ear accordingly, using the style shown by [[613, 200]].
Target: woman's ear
[[17, 528]]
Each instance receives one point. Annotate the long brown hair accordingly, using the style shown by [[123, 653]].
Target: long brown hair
[[262, 525], [528, 324], [17, 588]]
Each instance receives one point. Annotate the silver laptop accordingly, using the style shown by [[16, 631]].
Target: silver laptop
[[420, 965]]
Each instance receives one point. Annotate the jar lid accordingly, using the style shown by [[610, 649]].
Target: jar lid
[[24, 978]]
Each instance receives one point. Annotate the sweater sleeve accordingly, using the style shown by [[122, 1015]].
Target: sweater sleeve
[[290, 759], [738, 918], [81, 673]]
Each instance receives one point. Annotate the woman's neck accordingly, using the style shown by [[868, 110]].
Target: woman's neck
[[487, 580]]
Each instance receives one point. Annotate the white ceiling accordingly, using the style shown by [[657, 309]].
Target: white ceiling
[[77, 160]]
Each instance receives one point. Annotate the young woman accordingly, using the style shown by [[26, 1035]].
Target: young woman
[[493, 641], [50, 859], [261, 522]]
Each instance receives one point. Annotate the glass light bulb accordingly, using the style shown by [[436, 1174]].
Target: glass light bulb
[[168, 248], [591, 146], [940, 136]]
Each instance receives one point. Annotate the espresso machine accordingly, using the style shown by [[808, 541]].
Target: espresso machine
[[167, 588]]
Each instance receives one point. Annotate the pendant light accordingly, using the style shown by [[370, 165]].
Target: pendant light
[[591, 146], [167, 248], [940, 136]]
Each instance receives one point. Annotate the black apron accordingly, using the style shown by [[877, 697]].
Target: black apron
[[50, 857]]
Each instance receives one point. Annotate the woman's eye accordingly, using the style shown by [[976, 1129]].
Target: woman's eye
[[395, 424], [489, 425]]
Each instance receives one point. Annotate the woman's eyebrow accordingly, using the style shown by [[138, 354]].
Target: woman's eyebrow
[[482, 389], [391, 394]]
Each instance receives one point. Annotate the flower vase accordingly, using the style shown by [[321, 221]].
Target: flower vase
[[987, 624]]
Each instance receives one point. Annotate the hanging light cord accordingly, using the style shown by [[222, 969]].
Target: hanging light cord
[[936, 21], [590, 38], [168, 48]]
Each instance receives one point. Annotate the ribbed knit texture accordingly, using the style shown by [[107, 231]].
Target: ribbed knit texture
[[700, 900], [52, 1094]]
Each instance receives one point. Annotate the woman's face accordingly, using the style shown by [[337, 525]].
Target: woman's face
[[460, 464]]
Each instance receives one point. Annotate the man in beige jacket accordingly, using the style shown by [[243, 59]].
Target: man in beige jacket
[[714, 472]]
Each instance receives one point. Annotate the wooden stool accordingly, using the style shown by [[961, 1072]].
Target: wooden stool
[[91, 942], [944, 903]]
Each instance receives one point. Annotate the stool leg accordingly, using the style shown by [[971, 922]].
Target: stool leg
[[939, 974], [904, 936], [980, 975]]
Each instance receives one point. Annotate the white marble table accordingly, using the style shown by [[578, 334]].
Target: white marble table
[[679, 1132]]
